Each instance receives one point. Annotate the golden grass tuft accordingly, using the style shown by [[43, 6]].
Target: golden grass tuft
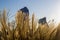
[[23, 31]]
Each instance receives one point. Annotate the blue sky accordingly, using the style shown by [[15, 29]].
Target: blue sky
[[41, 8]]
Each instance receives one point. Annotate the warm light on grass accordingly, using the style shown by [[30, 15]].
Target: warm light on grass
[[23, 31]]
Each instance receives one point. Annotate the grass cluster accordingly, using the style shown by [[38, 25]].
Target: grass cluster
[[23, 29]]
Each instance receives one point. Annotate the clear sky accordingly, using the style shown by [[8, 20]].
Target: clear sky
[[41, 8]]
